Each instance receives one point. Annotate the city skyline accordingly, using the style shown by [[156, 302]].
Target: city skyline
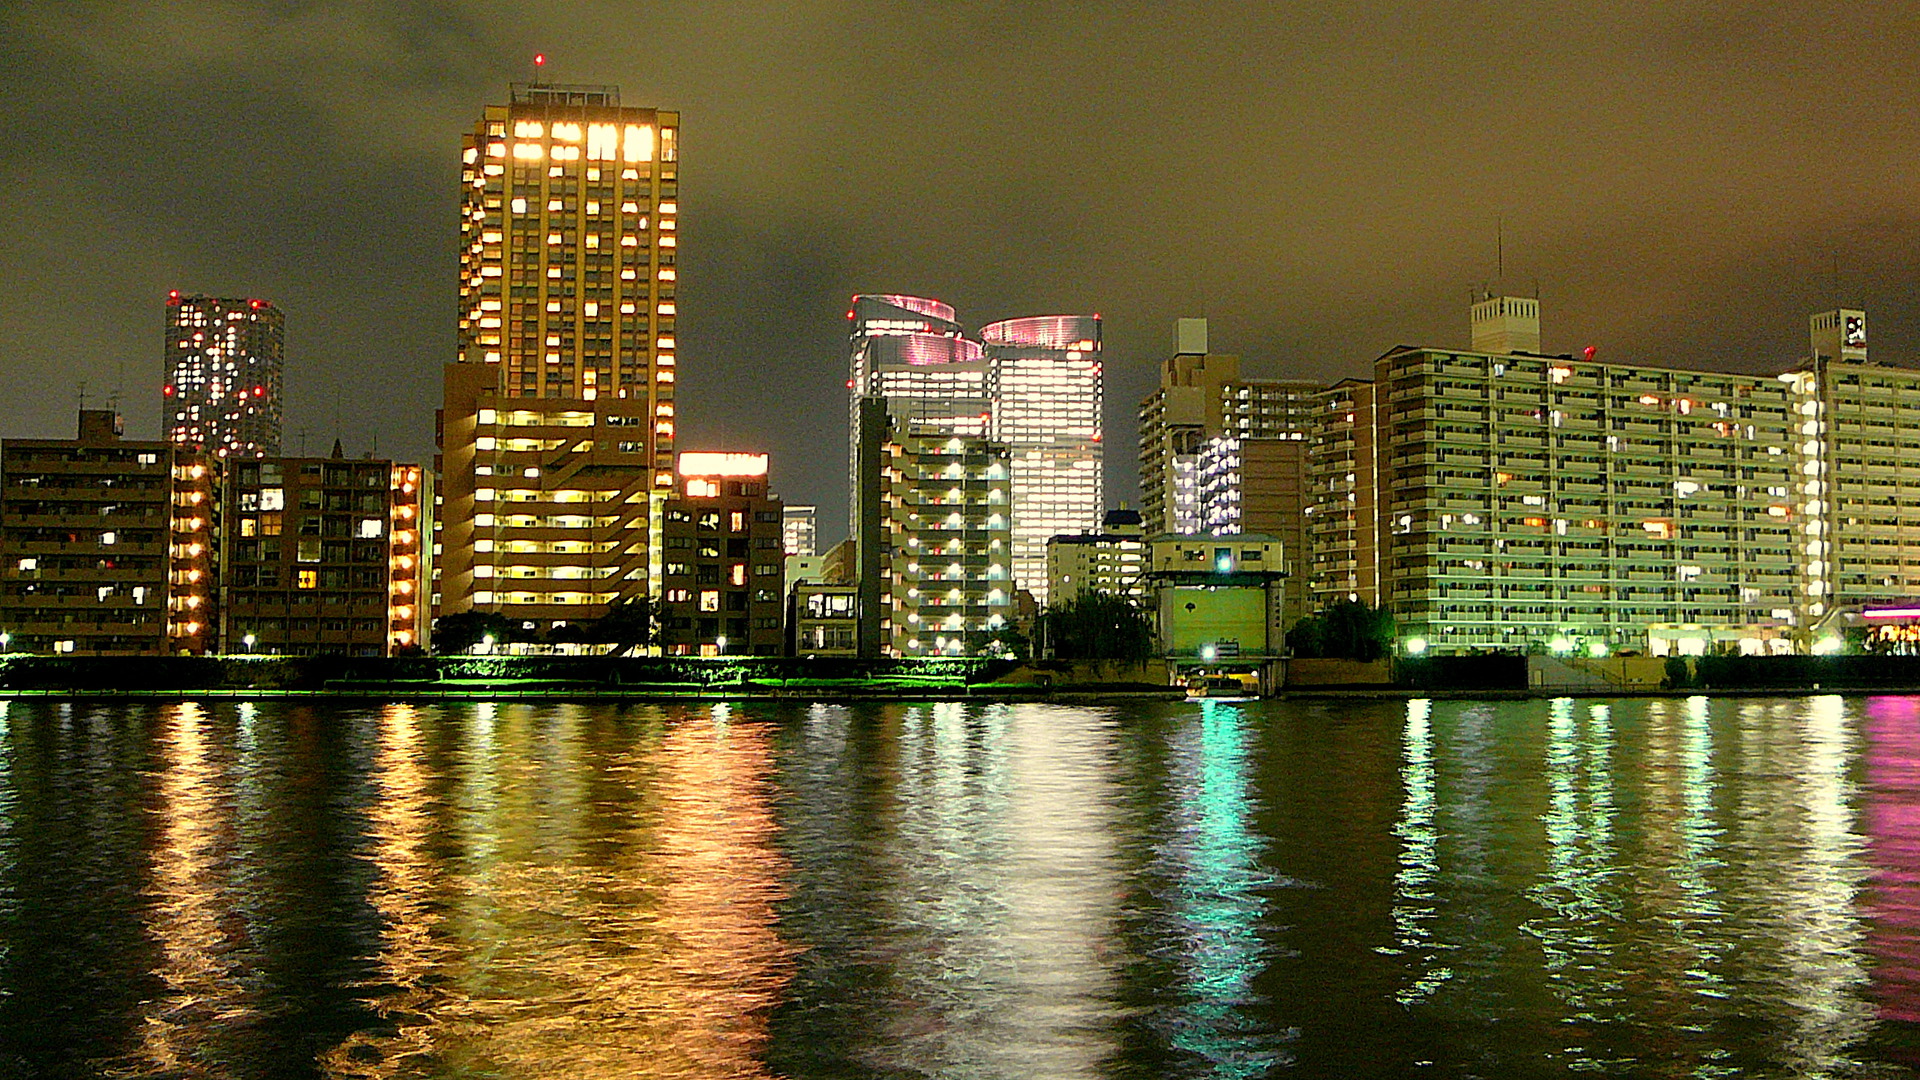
[[1675, 206]]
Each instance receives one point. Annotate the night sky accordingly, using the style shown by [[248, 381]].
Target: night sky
[[1682, 183]]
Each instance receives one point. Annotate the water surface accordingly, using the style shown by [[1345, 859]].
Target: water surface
[[1661, 888]]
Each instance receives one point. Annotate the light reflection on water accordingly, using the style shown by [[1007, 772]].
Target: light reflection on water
[[1676, 887]]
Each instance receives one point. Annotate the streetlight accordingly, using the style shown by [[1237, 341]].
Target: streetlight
[[5, 640], [248, 641], [488, 642], [720, 644], [1416, 646]]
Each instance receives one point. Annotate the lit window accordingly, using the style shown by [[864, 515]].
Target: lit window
[[308, 579]]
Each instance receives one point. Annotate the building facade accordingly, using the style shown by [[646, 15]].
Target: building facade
[[107, 545], [1855, 517], [1217, 600], [557, 430], [1044, 382], [1202, 398], [910, 353], [1340, 558], [1255, 485], [1522, 501], [800, 530], [823, 620], [1112, 560], [1030, 384], [722, 582], [324, 555], [224, 363], [945, 544]]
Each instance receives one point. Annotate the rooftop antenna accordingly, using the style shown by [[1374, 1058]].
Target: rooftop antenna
[[302, 436], [1500, 251], [83, 395]]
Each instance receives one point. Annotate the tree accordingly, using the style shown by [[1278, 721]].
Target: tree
[[628, 624], [1345, 631], [460, 633], [1098, 626]]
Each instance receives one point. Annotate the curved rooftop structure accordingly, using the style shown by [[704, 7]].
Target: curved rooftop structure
[[1081, 332]]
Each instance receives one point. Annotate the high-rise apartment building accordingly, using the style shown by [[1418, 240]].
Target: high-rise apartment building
[[1259, 485], [949, 541], [1526, 501], [1202, 397], [1340, 558], [557, 429], [223, 375], [107, 545], [1856, 522], [1044, 384], [324, 555], [934, 541]]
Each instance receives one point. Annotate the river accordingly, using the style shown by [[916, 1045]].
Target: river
[[1650, 887]]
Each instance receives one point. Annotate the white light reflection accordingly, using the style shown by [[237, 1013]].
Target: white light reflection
[[1825, 972], [1414, 902], [1578, 891]]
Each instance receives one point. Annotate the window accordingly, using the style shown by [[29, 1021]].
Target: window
[[709, 600], [308, 551], [370, 528], [269, 524], [273, 498], [309, 579], [737, 521]]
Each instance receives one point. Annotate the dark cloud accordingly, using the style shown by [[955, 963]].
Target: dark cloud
[[1684, 182]]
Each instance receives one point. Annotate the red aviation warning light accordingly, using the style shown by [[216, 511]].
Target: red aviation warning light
[[1589, 351], [539, 60]]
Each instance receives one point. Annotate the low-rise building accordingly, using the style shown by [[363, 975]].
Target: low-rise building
[[1217, 601], [722, 559], [324, 555], [1111, 560], [823, 620]]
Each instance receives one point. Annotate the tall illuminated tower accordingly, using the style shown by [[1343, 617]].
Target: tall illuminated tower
[[1044, 381], [557, 431], [909, 352], [223, 370]]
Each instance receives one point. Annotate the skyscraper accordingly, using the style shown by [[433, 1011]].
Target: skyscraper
[[909, 351], [223, 365], [1031, 385], [557, 430], [1044, 385]]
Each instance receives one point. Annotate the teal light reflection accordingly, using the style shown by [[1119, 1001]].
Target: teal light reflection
[[1220, 907]]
